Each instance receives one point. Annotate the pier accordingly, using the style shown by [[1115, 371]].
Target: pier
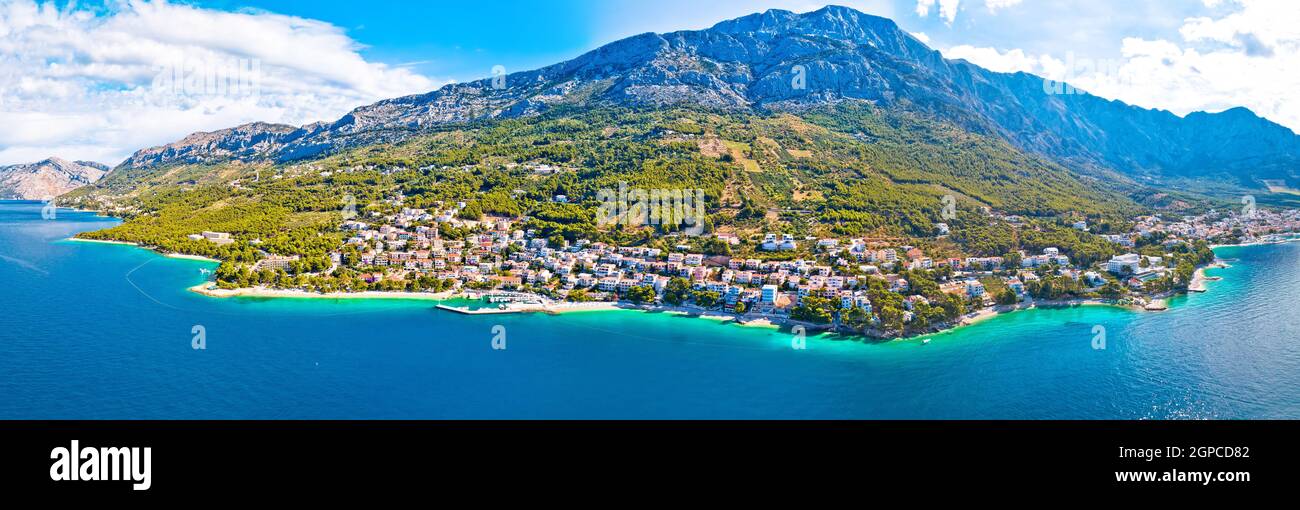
[[481, 311]]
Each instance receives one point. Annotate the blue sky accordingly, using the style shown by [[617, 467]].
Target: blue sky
[[463, 40], [81, 80]]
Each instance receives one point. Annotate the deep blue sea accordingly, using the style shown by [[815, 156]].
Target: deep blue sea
[[97, 331]]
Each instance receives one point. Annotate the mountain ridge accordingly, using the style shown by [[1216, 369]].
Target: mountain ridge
[[750, 64], [47, 178]]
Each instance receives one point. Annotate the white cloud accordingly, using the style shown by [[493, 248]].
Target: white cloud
[[947, 8], [1248, 56], [1009, 61], [997, 5], [80, 85]]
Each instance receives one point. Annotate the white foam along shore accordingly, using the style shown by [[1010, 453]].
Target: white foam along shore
[[183, 256], [99, 241], [554, 308], [207, 289], [1199, 279], [1294, 239], [180, 256]]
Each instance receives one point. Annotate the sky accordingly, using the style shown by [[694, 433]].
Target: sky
[[99, 79]]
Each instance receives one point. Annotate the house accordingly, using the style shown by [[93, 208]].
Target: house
[[220, 238], [785, 243], [974, 288], [1118, 263], [768, 294], [1016, 285], [274, 262]]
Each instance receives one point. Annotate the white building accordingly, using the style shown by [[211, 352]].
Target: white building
[[1132, 261], [785, 243]]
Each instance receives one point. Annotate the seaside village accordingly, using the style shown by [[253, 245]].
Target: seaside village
[[504, 260]]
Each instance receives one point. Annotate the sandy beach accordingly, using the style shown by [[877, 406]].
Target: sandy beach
[[183, 256], [555, 308], [1198, 280], [97, 241], [262, 292]]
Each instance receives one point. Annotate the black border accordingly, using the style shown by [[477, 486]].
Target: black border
[[395, 457]]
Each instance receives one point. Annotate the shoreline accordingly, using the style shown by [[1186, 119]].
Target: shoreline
[[1155, 304], [101, 241], [1200, 278], [199, 258], [267, 293], [178, 256]]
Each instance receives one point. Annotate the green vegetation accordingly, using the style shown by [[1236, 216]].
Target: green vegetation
[[845, 170]]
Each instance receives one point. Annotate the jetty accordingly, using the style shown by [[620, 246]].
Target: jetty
[[479, 311]]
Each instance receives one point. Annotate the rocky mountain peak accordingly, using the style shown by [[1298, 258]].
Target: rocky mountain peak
[[47, 178], [777, 59]]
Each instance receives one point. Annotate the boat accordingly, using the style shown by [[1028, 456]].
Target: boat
[[925, 342]]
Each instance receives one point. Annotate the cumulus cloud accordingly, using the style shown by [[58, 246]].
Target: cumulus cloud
[[1010, 61], [1247, 56], [82, 84], [996, 5], [947, 8]]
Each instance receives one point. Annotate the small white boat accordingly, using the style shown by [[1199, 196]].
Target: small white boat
[[925, 342]]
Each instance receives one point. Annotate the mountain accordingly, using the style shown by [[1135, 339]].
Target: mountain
[[47, 179], [780, 61], [257, 140]]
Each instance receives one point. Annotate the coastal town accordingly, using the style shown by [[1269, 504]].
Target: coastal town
[[858, 285]]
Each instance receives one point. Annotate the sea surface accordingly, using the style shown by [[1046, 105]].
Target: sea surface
[[99, 331]]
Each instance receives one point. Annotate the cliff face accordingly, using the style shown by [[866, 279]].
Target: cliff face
[[780, 60], [47, 179]]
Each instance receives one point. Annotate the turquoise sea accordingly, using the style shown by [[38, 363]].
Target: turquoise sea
[[96, 331]]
